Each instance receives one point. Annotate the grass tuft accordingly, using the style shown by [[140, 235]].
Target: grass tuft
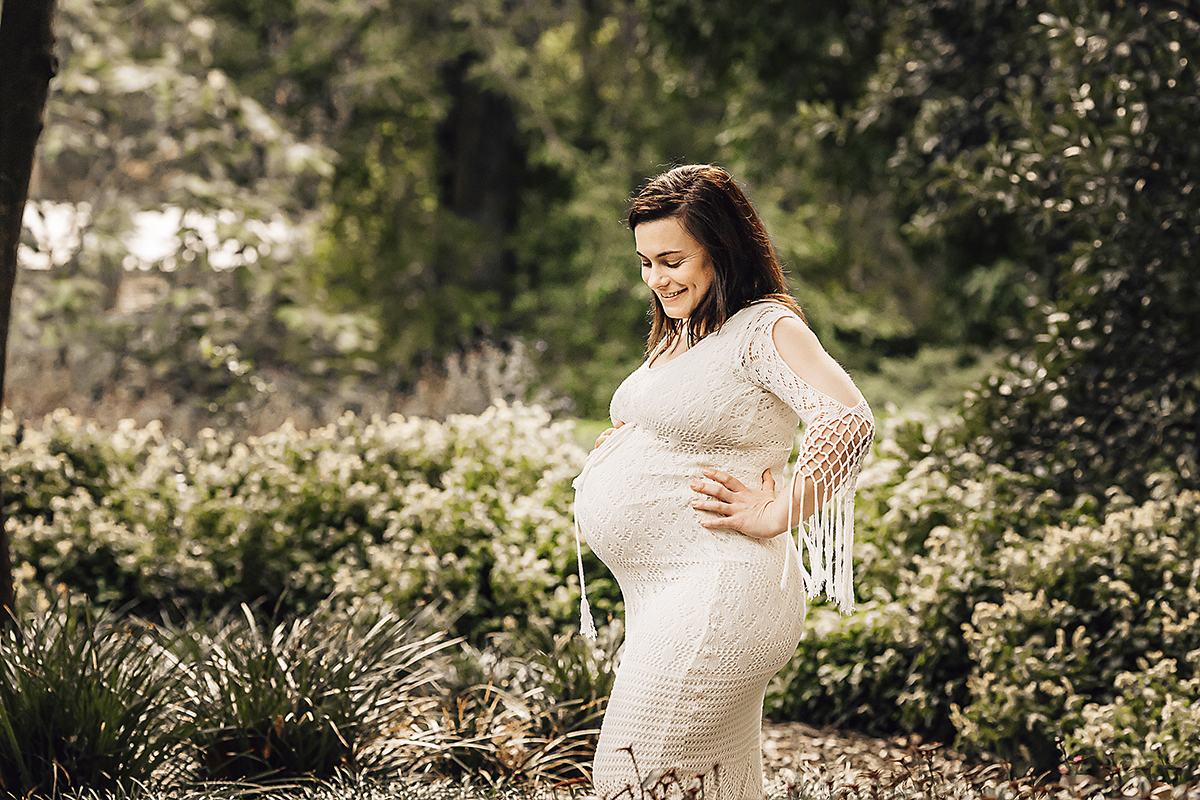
[[85, 701], [304, 699], [523, 712]]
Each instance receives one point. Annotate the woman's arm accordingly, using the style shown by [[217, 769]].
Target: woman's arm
[[831, 450], [799, 348]]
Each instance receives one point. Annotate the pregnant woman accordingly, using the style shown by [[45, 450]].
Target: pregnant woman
[[680, 500]]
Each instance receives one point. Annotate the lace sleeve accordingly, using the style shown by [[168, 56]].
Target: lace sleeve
[[835, 442]]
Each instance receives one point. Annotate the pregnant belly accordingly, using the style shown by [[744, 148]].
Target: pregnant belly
[[633, 506]]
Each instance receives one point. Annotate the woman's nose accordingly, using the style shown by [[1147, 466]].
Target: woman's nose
[[655, 277]]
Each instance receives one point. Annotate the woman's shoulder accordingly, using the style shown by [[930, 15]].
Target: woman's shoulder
[[763, 314], [750, 330]]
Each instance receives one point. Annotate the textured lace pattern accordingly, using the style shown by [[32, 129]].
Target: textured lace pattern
[[711, 616]]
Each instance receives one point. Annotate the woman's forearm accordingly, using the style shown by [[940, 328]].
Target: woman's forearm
[[806, 498]]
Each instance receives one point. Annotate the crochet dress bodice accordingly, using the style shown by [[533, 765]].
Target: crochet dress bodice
[[712, 615]]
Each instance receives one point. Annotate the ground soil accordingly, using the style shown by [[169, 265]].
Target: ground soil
[[791, 745]]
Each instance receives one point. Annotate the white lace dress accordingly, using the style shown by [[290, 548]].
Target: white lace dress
[[711, 616]]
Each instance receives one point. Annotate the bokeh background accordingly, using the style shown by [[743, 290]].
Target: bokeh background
[[249, 211]]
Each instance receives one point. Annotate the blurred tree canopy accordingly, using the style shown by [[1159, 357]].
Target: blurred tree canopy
[[1039, 158], [935, 174], [461, 170]]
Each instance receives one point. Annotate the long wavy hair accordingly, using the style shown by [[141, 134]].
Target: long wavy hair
[[717, 214]]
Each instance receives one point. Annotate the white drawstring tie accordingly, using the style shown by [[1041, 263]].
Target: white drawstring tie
[[587, 625]]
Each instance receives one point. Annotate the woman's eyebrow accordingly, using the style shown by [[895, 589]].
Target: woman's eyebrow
[[663, 254]]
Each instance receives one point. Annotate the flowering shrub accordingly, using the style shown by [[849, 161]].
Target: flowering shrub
[[994, 613], [1001, 616], [1154, 720], [1086, 611], [472, 513]]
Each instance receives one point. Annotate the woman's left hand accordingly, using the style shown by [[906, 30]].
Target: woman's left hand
[[757, 513]]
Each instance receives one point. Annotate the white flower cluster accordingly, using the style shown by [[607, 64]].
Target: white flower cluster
[[472, 513]]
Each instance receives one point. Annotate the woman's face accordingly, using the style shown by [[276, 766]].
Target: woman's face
[[675, 266]]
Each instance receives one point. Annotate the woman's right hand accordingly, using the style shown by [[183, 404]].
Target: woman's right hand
[[607, 433]]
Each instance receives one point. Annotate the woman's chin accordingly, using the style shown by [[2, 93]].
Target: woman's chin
[[676, 310]]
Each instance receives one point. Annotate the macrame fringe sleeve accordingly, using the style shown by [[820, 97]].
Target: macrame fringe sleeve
[[831, 455], [835, 443]]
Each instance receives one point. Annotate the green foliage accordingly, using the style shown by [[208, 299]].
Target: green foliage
[[95, 703], [472, 514], [303, 699], [817, 52], [328, 204], [1056, 137], [1150, 724], [997, 613], [198, 205], [1040, 154], [1083, 607], [85, 702], [1000, 615]]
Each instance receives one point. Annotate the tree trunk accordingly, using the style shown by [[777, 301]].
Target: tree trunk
[[27, 63]]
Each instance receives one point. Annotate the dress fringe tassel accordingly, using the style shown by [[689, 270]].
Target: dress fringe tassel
[[828, 536]]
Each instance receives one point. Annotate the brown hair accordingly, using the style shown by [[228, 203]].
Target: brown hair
[[717, 214]]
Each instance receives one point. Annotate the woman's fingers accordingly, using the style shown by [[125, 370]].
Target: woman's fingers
[[607, 432], [725, 479], [714, 505], [745, 510], [713, 489]]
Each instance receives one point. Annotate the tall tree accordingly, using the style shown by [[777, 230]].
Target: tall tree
[[1059, 138], [27, 63]]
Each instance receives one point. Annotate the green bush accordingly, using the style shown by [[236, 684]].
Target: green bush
[[472, 513], [1085, 610], [1000, 616], [1153, 723]]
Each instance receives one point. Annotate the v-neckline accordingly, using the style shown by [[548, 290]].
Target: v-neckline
[[653, 365]]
